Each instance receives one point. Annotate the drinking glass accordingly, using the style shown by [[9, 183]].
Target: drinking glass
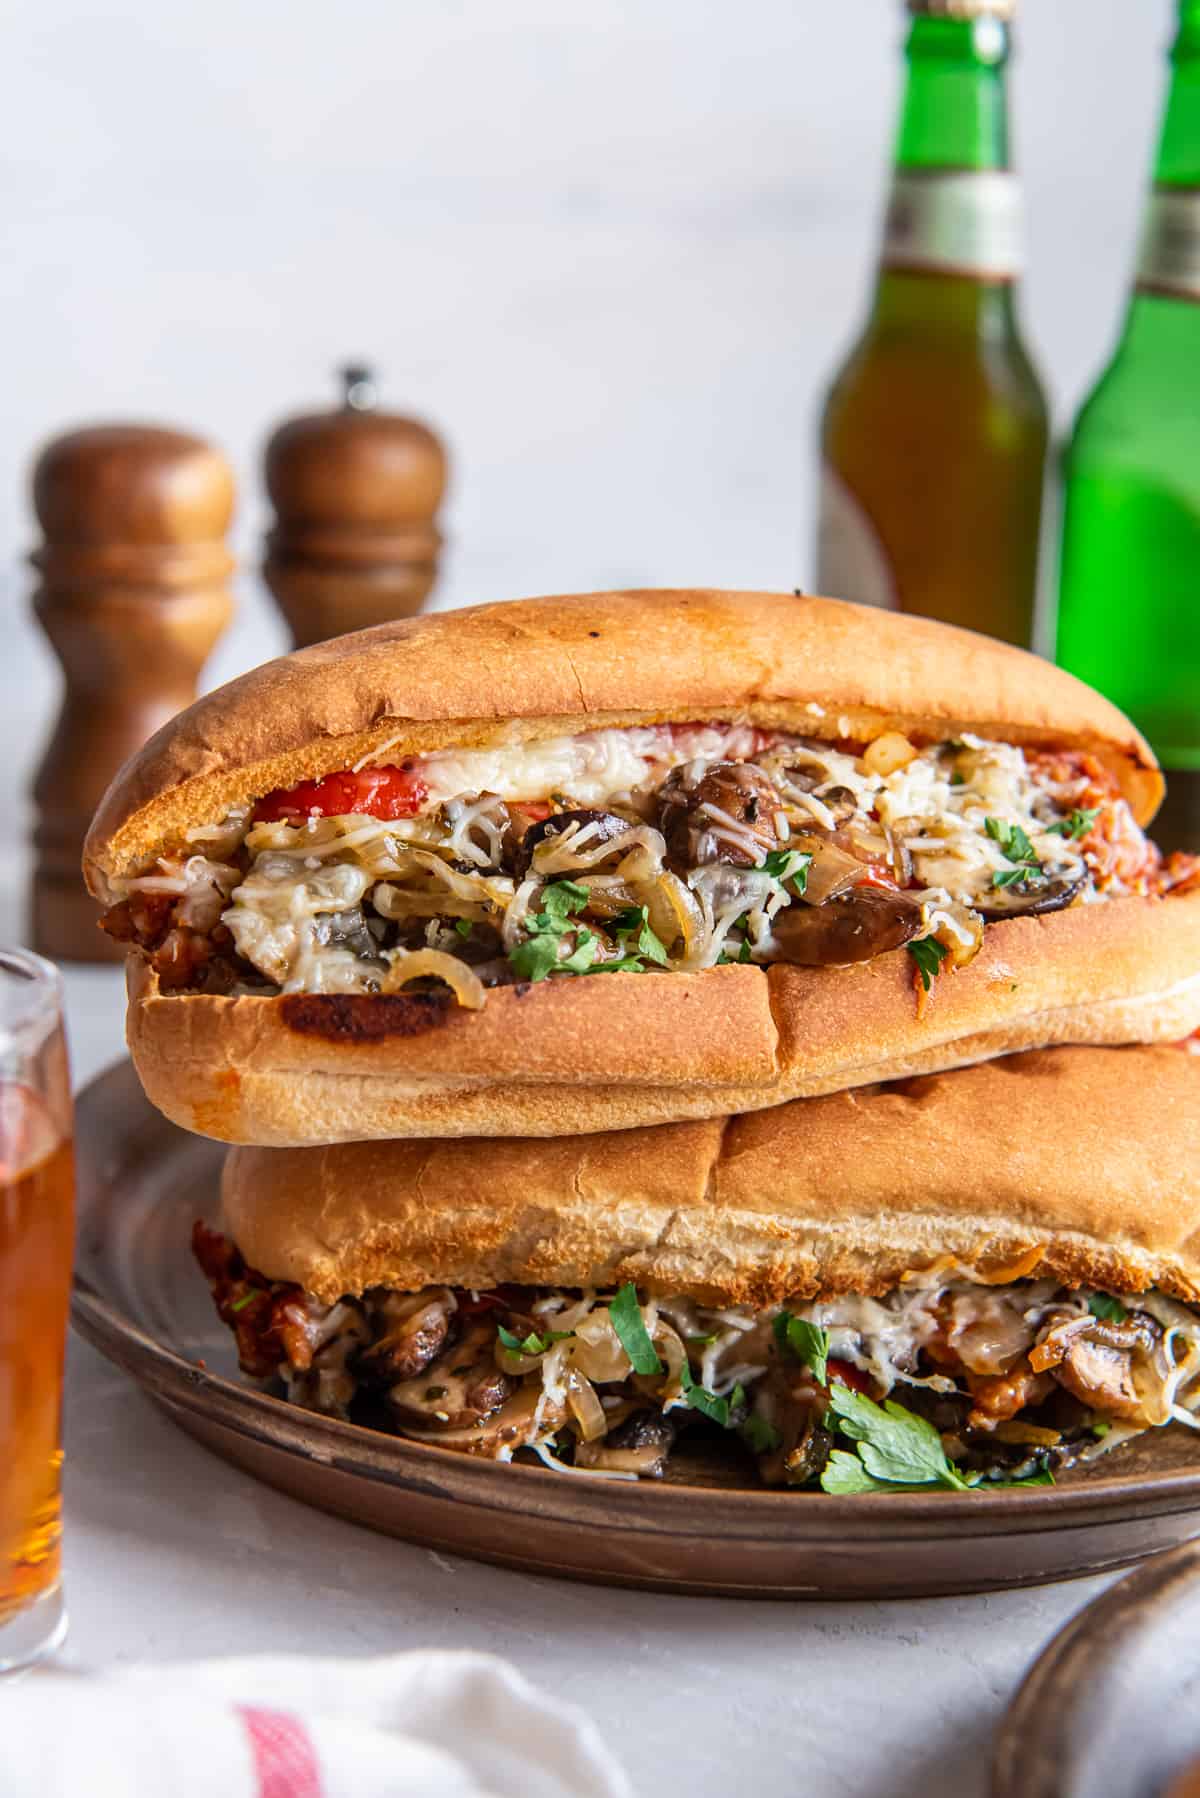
[[37, 1202]]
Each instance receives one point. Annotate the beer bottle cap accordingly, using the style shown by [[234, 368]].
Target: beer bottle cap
[[963, 9]]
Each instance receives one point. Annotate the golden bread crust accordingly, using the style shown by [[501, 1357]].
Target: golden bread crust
[[1079, 1163], [567, 1056], [555, 666]]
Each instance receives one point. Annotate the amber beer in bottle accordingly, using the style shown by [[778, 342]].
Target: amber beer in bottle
[[933, 439], [1129, 595]]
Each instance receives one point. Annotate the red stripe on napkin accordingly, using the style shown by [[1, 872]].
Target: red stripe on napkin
[[284, 1758]]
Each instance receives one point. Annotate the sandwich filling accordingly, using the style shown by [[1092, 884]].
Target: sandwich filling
[[942, 1382], [643, 849]]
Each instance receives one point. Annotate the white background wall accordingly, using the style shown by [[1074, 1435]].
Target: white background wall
[[613, 250]]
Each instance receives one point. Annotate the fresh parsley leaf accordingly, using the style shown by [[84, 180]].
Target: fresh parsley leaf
[[1101, 1428], [1076, 824], [929, 955], [1027, 869], [587, 948], [538, 956], [702, 1341], [559, 900], [844, 1474], [534, 959], [1105, 1306], [633, 925], [533, 1344], [957, 779], [624, 964], [1041, 1476], [760, 1435], [807, 1342], [628, 1322], [893, 1444], [789, 864], [463, 926], [700, 1399], [247, 1298]]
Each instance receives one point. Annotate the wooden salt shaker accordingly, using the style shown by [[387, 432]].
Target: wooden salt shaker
[[356, 493], [134, 593]]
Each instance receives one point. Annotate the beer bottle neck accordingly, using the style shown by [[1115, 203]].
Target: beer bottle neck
[[955, 113], [1179, 148]]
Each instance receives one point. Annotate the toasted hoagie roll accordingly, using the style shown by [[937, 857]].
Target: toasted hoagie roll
[[1011, 1253], [368, 888]]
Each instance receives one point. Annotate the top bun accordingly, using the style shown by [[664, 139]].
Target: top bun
[[551, 667]]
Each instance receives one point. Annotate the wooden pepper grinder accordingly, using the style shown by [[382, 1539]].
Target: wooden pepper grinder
[[134, 593], [356, 493]]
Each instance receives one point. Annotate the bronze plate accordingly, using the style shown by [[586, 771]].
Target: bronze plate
[[1111, 1705], [707, 1528]]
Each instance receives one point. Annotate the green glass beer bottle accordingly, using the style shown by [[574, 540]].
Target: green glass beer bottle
[[933, 438], [1129, 588]]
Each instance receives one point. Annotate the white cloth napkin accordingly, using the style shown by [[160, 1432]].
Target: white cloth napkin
[[424, 1725]]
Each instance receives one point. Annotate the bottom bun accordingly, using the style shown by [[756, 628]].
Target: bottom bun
[[573, 1056]]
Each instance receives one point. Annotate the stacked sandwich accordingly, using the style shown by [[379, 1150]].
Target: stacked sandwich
[[824, 856]]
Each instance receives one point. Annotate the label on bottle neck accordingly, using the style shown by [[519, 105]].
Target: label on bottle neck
[[851, 561], [960, 221], [1170, 256]]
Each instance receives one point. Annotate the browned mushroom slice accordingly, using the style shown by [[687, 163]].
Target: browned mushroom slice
[[1097, 1364], [1026, 901], [411, 1329], [640, 1445], [858, 926], [592, 827], [719, 812], [459, 1389], [504, 1430]]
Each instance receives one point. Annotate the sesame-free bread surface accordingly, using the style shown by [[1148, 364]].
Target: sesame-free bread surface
[[1080, 1163], [568, 1056], [549, 667]]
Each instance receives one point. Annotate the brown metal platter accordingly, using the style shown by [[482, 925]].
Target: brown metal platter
[[707, 1528], [1111, 1705]]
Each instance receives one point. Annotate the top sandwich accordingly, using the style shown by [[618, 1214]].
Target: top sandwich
[[344, 877]]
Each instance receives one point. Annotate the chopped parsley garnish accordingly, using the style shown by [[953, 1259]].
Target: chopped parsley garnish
[[633, 926], [929, 955], [247, 1298], [1076, 824], [717, 1410], [789, 864], [895, 1446], [1106, 1307], [807, 1342], [759, 1435], [463, 926], [538, 957], [1026, 870], [742, 925], [630, 1325], [1100, 1430], [533, 1344], [702, 1341]]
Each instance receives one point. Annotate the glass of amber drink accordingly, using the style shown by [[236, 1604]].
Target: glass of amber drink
[[37, 1202]]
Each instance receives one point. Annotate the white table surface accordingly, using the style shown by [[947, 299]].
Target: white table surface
[[171, 1553]]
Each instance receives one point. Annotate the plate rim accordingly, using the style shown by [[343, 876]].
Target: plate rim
[[1034, 1742], [677, 1506]]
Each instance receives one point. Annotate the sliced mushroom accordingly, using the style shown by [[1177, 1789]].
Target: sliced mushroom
[[1027, 901], [600, 826], [718, 812], [457, 1390], [1102, 1377], [504, 1430], [832, 870], [861, 924], [640, 1445], [413, 1327]]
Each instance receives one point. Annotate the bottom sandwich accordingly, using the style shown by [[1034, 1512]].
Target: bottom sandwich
[[976, 1277]]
